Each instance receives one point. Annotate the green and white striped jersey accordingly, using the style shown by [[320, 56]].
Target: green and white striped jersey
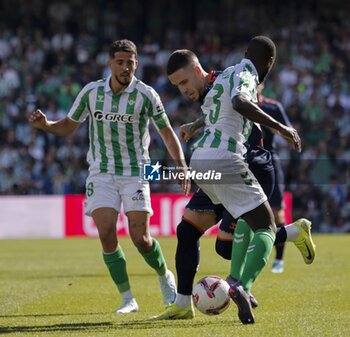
[[118, 125], [226, 128]]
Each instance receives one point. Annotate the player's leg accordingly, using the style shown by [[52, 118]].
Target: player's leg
[[260, 164], [103, 204], [278, 264], [151, 251], [113, 256], [135, 194], [223, 243], [277, 204], [261, 221], [200, 214]]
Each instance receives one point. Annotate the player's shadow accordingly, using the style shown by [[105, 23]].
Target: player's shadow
[[166, 324], [56, 327], [118, 326], [57, 314]]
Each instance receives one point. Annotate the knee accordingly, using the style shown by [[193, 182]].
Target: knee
[[143, 242], [106, 233], [223, 248]]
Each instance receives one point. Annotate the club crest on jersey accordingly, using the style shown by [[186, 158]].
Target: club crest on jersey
[[113, 117]]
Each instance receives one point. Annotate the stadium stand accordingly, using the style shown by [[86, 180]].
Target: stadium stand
[[49, 50]]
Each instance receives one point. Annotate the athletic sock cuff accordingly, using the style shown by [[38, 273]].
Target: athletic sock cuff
[[111, 257]]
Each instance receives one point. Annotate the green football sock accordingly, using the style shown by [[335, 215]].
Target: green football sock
[[258, 254], [116, 264], [241, 238], [155, 258]]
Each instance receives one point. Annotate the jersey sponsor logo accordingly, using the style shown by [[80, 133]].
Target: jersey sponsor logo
[[113, 117], [138, 195]]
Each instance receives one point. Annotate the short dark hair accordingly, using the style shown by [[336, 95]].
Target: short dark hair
[[180, 58], [122, 45], [261, 47]]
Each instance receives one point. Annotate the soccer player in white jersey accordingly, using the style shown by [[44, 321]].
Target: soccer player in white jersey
[[231, 108], [119, 109]]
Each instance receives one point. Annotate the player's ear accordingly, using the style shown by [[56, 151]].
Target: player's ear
[[197, 70]]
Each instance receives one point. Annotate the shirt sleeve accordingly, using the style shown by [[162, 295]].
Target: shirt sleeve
[[157, 111], [80, 108]]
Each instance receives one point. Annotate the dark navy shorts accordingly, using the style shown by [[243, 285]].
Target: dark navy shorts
[[200, 202], [260, 163]]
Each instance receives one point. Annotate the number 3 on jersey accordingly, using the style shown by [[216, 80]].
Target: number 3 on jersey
[[214, 114]]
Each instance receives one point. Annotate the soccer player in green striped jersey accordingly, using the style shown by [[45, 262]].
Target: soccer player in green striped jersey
[[231, 108], [119, 109]]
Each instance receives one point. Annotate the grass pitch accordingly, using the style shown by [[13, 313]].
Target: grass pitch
[[62, 288]]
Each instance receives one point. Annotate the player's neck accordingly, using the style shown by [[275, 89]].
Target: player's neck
[[116, 86], [207, 77]]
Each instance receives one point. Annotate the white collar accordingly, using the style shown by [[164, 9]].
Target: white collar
[[130, 88]]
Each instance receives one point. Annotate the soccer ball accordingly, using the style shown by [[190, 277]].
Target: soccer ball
[[210, 295]]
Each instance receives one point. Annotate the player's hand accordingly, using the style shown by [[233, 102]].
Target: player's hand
[[38, 119], [186, 132], [292, 137]]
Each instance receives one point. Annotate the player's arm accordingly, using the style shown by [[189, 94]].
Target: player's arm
[[62, 127], [251, 111], [172, 143], [188, 130], [174, 148], [67, 125]]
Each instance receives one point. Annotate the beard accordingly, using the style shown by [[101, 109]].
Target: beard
[[124, 81]]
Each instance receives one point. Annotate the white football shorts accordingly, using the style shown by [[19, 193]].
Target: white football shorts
[[238, 190], [107, 190]]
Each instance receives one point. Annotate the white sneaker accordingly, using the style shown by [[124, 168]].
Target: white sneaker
[[168, 287], [129, 305], [277, 266]]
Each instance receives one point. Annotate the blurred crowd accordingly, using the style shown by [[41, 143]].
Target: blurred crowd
[[50, 50]]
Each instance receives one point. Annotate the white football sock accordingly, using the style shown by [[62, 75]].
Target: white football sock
[[127, 295], [183, 301], [292, 232]]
